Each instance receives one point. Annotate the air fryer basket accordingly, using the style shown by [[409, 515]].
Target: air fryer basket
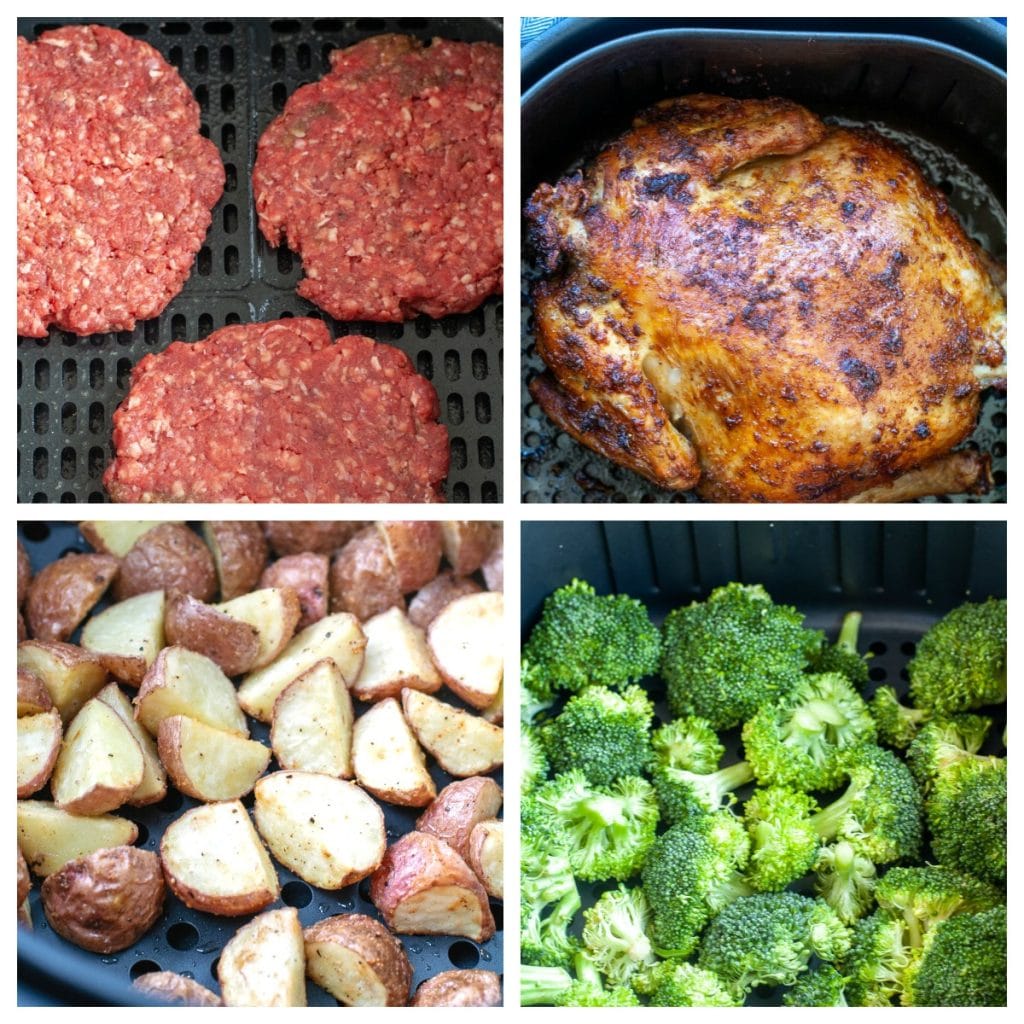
[[946, 106], [241, 72], [189, 941]]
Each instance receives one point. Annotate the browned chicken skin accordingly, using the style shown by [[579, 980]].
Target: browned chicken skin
[[746, 301]]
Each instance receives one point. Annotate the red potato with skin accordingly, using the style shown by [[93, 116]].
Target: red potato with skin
[[295, 536], [239, 552], [460, 988], [414, 549], [467, 544], [364, 580], [264, 964], [458, 809], [24, 574], [396, 657], [50, 837], [433, 598], [153, 786], [169, 557], [126, 637], [175, 989], [39, 739], [273, 612], [33, 697], [486, 856], [191, 623], [117, 536], [305, 574], [64, 592], [70, 674], [24, 879], [494, 568]]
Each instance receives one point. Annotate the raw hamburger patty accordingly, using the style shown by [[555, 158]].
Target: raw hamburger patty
[[276, 412], [385, 176], [115, 183]]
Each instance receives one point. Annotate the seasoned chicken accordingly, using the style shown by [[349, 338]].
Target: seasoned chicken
[[744, 300]]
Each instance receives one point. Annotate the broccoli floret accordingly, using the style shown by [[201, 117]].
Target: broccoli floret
[[682, 793], [725, 657], [541, 985], [530, 705], [585, 637], [798, 741], [966, 812], [783, 843], [769, 939], [962, 963], [880, 810], [845, 880], [877, 961], [692, 871], [615, 933], [671, 983], [533, 760], [690, 743], [607, 830], [842, 656], [897, 723], [943, 742], [555, 986], [602, 733], [549, 901], [960, 663], [822, 986]]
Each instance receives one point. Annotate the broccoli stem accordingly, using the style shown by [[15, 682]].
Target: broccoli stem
[[849, 632], [829, 820], [541, 986]]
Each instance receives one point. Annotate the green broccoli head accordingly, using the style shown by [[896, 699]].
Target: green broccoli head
[[530, 705], [671, 983], [877, 961], [690, 743], [880, 810], [692, 871], [960, 663], [549, 900], [682, 793], [585, 637], [615, 934], [783, 843], [769, 939], [798, 741], [966, 812], [962, 963], [944, 741], [897, 724], [602, 733], [822, 986], [534, 762], [725, 657], [842, 656], [607, 830], [845, 880], [587, 988]]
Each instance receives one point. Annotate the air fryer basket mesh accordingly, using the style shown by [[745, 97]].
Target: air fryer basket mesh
[[241, 72], [189, 941], [943, 106]]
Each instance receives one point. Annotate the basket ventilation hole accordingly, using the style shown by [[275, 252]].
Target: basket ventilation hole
[[498, 913], [277, 57], [278, 95], [69, 418], [202, 97], [877, 674], [69, 374], [40, 463], [97, 459], [479, 364], [904, 675], [227, 59], [205, 324], [485, 453], [878, 648], [227, 99], [370, 25], [425, 365], [171, 802], [483, 409], [460, 492], [202, 59], [143, 834], [176, 28], [213, 970], [227, 138], [133, 28], [230, 178], [455, 410], [452, 366], [183, 935], [230, 219], [141, 967], [908, 648], [285, 27], [296, 894], [304, 57], [458, 453], [364, 890], [41, 418], [35, 532], [217, 28], [463, 955], [97, 374], [178, 327], [231, 260], [67, 498], [328, 25], [489, 492], [42, 375]]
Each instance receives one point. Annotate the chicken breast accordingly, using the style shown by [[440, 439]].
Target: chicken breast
[[743, 300]]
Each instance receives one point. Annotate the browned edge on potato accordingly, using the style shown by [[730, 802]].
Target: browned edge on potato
[[65, 591], [170, 557]]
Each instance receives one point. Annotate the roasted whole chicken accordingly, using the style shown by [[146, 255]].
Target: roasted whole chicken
[[743, 300]]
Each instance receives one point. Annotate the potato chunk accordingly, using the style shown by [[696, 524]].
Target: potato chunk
[[387, 759], [265, 963], [396, 656], [467, 641], [127, 636], [207, 763], [463, 744], [50, 837]]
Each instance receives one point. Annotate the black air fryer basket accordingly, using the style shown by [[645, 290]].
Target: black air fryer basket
[[241, 72], [937, 85], [52, 971]]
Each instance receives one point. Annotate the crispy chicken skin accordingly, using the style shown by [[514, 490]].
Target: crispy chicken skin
[[743, 300]]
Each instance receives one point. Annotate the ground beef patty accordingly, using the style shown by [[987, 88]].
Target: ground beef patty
[[115, 183], [385, 176], [276, 412]]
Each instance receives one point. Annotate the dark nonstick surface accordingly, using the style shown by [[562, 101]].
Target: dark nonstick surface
[[241, 72], [946, 106], [188, 941]]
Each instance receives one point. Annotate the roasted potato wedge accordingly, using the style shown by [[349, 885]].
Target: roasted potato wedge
[[264, 964], [127, 636], [467, 644], [50, 837], [292, 538], [232, 644], [358, 961], [71, 675], [495, 711], [39, 739], [414, 549], [64, 592], [487, 856], [116, 536], [433, 598], [424, 887], [493, 568], [460, 988], [153, 786], [463, 744], [239, 553], [337, 637], [214, 861], [364, 580], [396, 656], [458, 809], [273, 612], [169, 557], [33, 696], [306, 574], [207, 763], [466, 545], [182, 682], [100, 765], [326, 830], [175, 989], [312, 727], [106, 900], [387, 759], [24, 573]]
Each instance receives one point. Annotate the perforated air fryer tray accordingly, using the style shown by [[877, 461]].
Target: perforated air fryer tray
[[946, 106], [189, 941], [241, 72]]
